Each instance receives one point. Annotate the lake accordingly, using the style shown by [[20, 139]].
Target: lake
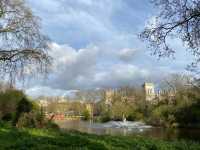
[[154, 132]]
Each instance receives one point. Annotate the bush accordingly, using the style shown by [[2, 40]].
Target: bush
[[17, 110], [86, 115], [35, 120], [105, 117], [8, 117], [8, 103], [51, 125], [188, 114], [27, 120], [135, 115], [23, 106]]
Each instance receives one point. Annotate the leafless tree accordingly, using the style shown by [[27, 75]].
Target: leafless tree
[[177, 82], [23, 48], [176, 18]]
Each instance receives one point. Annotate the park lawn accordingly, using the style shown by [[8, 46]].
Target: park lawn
[[42, 139]]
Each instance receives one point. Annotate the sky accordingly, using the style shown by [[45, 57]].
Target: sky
[[95, 45]]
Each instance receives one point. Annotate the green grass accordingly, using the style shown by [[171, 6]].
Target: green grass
[[40, 139]]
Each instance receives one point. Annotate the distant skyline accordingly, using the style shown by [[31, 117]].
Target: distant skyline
[[95, 44]]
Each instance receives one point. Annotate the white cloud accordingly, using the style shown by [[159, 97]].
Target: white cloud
[[48, 91], [93, 67], [72, 66], [121, 75], [127, 54], [81, 69], [102, 45]]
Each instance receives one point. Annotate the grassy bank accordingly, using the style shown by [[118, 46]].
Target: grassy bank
[[40, 139]]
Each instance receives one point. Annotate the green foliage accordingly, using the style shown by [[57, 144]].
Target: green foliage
[[35, 120], [105, 116], [86, 115], [8, 116], [183, 111], [51, 125], [118, 110], [15, 108], [27, 120], [23, 108], [163, 116], [179, 110], [188, 114], [126, 102], [42, 139], [135, 115], [8, 103], [103, 112]]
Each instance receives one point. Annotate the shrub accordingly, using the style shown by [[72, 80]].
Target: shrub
[[8, 103], [8, 117], [35, 120], [27, 120], [105, 117], [23, 106], [135, 116], [163, 115], [86, 115], [188, 114], [51, 125], [17, 110]]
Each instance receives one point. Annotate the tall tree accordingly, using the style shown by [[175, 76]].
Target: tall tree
[[176, 18], [23, 48]]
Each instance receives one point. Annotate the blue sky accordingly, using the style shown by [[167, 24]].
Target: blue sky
[[95, 45]]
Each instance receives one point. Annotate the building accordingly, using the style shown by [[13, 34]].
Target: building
[[154, 96], [109, 96], [43, 103], [149, 91]]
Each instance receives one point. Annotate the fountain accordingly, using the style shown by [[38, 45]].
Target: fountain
[[124, 118], [127, 124]]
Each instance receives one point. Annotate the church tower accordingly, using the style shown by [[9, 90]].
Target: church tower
[[109, 96], [149, 91]]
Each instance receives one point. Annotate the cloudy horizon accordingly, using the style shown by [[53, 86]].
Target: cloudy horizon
[[95, 45]]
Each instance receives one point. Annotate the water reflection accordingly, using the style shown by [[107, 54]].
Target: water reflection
[[160, 133]]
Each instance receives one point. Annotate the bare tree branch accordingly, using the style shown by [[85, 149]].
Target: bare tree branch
[[22, 45], [176, 18]]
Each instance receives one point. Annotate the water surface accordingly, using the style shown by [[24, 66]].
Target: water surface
[[154, 132]]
